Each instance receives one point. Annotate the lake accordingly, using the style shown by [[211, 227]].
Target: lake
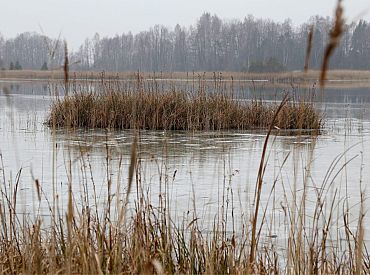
[[202, 173]]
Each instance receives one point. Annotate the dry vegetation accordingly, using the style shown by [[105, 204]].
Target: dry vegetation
[[337, 79], [85, 238], [358, 75], [88, 238], [176, 110], [334, 39]]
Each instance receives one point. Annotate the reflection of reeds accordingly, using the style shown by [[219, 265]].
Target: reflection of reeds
[[175, 110]]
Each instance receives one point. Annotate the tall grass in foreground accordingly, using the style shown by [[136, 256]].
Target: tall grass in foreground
[[88, 239], [143, 108], [132, 234]]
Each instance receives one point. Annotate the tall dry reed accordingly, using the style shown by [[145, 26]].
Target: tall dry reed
[[177, 110]]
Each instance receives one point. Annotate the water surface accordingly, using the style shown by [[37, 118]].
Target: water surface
[[199, 171]]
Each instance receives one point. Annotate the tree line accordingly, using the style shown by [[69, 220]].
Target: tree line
[[211, 44]]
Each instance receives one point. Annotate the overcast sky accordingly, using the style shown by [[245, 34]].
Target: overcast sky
[[78, 19]]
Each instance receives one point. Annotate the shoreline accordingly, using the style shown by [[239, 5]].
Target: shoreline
[[336, 78]]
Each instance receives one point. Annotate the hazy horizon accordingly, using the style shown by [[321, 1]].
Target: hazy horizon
[[76, 20]]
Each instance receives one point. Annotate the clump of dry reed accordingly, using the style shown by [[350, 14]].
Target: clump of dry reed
[[177, 110]]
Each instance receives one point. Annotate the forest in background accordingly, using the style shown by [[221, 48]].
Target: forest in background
[[211, 44]]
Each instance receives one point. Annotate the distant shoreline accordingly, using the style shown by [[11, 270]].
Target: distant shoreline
[[336, 78]]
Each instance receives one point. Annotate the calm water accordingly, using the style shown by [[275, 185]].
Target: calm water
[[202, 168]]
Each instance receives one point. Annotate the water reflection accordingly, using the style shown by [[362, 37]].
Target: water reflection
[[172, 144]]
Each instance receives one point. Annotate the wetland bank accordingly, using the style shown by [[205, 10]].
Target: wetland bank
[[208, 173], [191, 192]]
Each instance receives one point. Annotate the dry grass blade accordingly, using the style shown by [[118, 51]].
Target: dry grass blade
[[37, 183], [259, 182], [334, 38], [360, 239], [308, 49], [66, 67], [133, 161]]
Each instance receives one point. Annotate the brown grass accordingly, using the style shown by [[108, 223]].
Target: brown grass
[[66, 68], [308, 49], [338, 79], [92, 239], [334, 38], [58, 74], [87, 238], [177, 110]]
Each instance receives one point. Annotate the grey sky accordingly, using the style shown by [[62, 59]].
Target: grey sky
[[78, 19]]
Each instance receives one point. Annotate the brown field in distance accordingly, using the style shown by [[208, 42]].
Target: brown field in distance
[[355, 75], [335, 78]]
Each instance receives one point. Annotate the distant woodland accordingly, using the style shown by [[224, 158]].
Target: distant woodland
[[211, 44]]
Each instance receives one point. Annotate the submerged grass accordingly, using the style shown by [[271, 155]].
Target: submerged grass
[[177, 110]]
